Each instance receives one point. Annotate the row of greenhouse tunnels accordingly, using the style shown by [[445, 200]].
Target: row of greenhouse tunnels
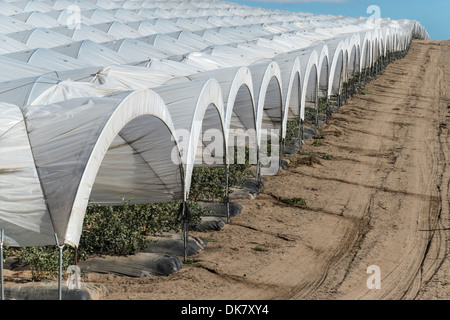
[[138, 163]]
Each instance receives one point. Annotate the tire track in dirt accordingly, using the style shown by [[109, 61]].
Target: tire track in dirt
[[436, 267], [402, 273]]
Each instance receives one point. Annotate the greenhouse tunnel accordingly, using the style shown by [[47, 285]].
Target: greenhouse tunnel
[[310, 99], [67, 158], [268, 85]]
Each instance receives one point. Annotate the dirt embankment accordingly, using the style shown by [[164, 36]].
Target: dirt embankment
[[376, 192]]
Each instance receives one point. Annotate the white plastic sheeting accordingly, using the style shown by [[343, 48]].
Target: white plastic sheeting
[[102, 100], [47, 59]]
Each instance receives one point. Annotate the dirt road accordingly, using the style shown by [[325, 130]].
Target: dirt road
[[376, 192]]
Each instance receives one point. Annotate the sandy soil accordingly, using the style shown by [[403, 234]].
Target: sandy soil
[[382, 200]]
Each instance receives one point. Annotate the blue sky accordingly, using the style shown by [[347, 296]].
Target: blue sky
[[433, 14]]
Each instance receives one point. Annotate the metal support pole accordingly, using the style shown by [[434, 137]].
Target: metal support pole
[[185, 235], [182, 214], [346, 91], [2, 237], [60, 247], [258, 169], [300, 135], [227, 192], [317, 112]]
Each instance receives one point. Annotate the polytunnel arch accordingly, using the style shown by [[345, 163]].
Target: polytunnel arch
[[337, 74], [141, 186], [238, 96], [376, 46], [269, 113], [387, 44], [383, 45], [323, 72], [366, 55], [377, 50], [310, 90], [30, 223], [353, 60], [241, 94], [68, 142], [371, 52], [26, 90], [291, 73], [239, 113], [196, 107], [214, 154], [268, 96], [346, 61], [395, 41], [352, 76], [237, 116], [292, 80]]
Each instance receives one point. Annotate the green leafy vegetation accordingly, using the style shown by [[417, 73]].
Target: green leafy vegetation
[[43, 261], [323, 108], [210, 183], [292, 131]]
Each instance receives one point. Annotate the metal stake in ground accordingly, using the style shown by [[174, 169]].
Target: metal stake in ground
[[60, 247], [185, 215]]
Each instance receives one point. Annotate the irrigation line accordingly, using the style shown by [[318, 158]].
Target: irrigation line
[[60, 247], [185, 240]]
